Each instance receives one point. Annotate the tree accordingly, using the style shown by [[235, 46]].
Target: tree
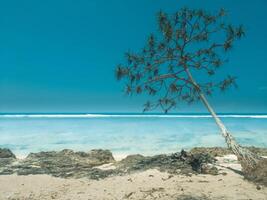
[[189, 43]]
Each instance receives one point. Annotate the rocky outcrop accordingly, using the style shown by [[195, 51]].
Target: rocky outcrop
[[6, 159], [258, 174], [6, 153], [68, 157], [176, 163], [67, 163]]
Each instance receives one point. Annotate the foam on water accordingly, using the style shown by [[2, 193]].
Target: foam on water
[[123, 116]]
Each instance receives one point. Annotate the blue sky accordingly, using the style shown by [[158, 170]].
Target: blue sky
[[59, 56]]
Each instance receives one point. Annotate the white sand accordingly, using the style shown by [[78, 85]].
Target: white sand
[[146, 185]]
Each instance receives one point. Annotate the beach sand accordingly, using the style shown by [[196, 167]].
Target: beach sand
[[150, 184]]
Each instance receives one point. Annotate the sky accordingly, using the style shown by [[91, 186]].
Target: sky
[[60, 56]]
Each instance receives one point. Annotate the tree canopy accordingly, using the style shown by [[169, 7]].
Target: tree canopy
[[189, 39]]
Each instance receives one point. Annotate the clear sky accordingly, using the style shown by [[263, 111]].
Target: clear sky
[[60, 55]]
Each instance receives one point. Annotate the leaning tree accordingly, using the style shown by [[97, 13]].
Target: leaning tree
[[190, 44]]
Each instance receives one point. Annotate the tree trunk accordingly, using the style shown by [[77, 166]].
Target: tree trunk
[[247, 159]]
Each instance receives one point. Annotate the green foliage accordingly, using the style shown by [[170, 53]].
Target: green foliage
[[188, 40]]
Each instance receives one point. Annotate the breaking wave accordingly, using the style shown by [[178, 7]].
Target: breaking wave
[[126, 116]]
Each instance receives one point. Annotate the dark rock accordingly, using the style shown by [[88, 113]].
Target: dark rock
[[131, 159], [98, 174], [6, 153], [141, 163], [7, 158], [182, 162], [68, 157], [209, 169], [99, 156], [258, 174], [65, 163], [6, 161], [198, 159], [6, 171]]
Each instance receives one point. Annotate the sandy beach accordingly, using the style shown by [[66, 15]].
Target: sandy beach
[[148, 184]]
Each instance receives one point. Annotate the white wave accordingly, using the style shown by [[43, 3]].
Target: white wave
[[124, 116]]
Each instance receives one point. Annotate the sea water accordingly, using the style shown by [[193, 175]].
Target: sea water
[[125, 133]]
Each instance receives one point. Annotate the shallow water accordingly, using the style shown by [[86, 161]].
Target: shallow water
[[125, 134]]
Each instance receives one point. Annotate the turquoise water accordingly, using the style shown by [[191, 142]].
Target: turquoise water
[[125, 134]]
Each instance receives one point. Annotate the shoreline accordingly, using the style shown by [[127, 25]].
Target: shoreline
[[117, 157], [210, 149]]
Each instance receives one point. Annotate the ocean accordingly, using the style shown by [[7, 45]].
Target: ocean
[[125, 134]]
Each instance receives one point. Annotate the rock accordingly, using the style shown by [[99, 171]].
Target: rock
[[67, 157], [131, 159], [258, 174], [7, 158], [198, 159], [141, 163], [65, 163], [99, 156], [177, 163], [6, 161], [6, 153], [213, 151], [209, 169]]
